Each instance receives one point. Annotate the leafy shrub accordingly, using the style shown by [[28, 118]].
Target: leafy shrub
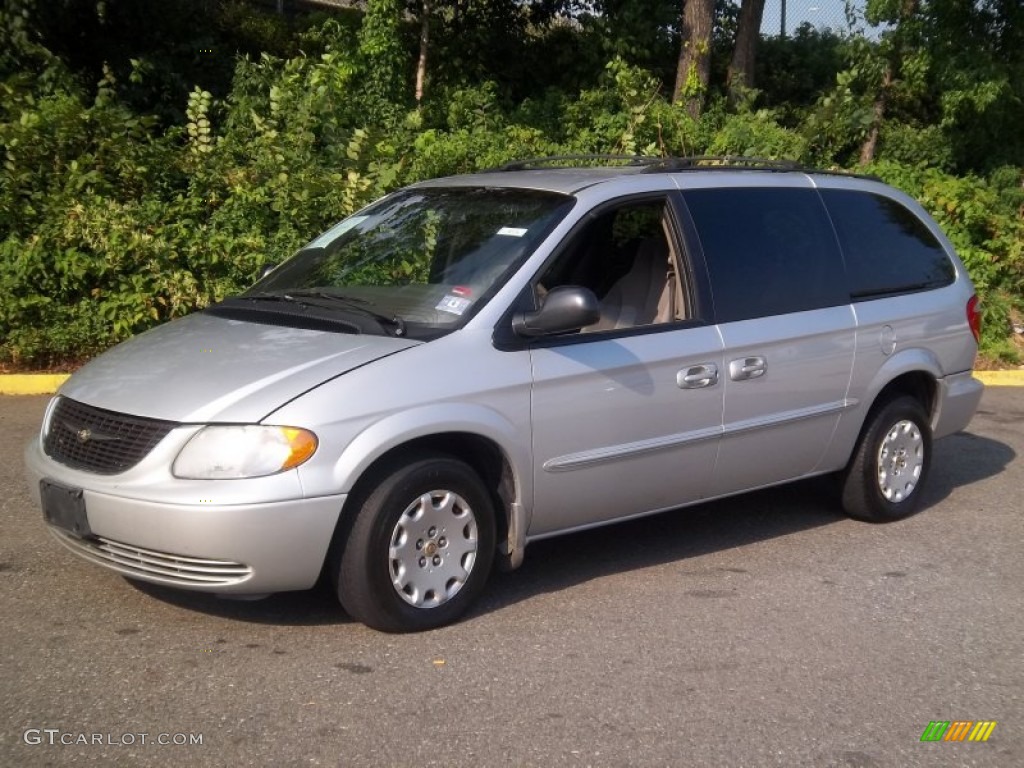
[[757, 135]]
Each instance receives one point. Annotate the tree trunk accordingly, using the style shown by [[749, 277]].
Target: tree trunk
[[870, 146], [748, 34], [421, 64], [694, 69]]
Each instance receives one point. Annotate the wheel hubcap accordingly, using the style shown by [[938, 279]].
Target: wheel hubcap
[[900, 461], [433, 549]]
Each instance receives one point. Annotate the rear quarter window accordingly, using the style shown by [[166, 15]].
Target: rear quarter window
[[769, 251], [887, 248]]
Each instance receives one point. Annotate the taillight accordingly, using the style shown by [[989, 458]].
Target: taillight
[[974, 317]]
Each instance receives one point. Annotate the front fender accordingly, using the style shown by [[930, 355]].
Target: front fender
[[445, 418], [435, 419]]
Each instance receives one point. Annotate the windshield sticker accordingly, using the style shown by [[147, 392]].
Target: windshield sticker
[[337, 231], [455, 305], [512, 231], [461, 290]]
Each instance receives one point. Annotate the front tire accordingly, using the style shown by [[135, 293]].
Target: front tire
[[420, 548], [884, 480]]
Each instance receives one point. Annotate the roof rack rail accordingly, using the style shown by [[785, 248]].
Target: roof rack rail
[[555, 160], [743, 163], [727, 161], [669, 164]]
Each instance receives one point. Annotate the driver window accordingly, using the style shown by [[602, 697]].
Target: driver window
[[626, 257]]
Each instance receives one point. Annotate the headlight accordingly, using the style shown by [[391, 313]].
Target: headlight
[[231, 452]]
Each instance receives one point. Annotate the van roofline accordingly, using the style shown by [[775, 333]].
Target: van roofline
[[570, 174]]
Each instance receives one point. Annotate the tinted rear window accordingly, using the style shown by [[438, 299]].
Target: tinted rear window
[[887, 248], [769, 251]]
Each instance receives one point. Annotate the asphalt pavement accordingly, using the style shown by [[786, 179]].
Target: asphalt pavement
[[764, 630]]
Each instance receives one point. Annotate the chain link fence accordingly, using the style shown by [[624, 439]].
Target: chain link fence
[[784, 17]]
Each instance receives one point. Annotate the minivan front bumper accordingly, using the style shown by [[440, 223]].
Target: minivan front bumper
[[231, 549]]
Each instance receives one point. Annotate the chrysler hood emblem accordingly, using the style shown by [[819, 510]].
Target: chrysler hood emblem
[[84, 435]]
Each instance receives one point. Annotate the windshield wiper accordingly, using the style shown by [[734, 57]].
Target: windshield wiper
[[314, 297], [322, 294]]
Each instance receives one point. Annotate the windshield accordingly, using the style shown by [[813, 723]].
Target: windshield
[[415, 263]]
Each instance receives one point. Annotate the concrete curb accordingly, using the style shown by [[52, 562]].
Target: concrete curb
[[31, 383], [1000, 378], [47, 383]]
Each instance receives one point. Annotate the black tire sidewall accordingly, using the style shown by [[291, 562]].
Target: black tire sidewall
[[364, 579]]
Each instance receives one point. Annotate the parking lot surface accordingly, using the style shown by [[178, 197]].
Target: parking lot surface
[[763, 630]]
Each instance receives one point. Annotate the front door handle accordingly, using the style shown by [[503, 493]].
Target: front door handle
[[747, 368], [697, 376]]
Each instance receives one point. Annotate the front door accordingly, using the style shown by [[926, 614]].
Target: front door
[[617, 429], [627, 413]]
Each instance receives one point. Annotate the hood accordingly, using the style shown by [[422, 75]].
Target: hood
[[203, 369]]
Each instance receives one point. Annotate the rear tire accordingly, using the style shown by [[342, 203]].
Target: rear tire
[[885, 478], [420, 548]]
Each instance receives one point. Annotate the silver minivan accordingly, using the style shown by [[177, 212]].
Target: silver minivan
[[474, 363]]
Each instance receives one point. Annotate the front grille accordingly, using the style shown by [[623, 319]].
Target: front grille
[[100, 441], [161, 567]]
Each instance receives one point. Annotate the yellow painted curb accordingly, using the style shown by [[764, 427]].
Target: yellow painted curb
[[47, 383], [31, 383], [1001, 378]]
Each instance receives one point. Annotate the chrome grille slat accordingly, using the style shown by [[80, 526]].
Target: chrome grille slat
[[85, 437], [148, 562], [128, 548], [176, 575], [156, 566]]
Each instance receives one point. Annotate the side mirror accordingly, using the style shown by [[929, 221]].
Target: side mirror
[[565, 308]]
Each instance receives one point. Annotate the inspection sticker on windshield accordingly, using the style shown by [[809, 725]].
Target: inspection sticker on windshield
[[456, 305], [512, 231]]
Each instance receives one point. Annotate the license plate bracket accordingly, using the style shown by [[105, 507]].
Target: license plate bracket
[[64, 507]]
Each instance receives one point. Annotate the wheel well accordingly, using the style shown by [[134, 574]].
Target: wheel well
[[483, 455], [917, 384]]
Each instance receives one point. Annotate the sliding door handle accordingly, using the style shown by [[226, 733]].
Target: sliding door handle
[[747, 368], [697, 376]]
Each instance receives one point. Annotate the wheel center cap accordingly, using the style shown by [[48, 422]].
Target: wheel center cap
[[430, 548]]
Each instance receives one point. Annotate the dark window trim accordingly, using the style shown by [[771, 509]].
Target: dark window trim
[[862, 296], [698, 263], [505, 339]]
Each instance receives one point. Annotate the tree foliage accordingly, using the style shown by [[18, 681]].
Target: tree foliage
[[160, 165]]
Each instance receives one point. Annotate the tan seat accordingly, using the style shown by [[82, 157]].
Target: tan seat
[[643, 295]]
